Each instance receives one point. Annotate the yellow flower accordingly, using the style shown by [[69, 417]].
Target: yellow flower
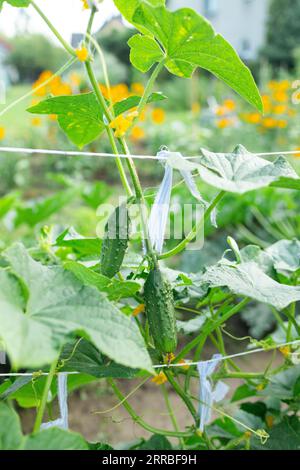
[[269, 123], [253, 118], [2, 133], [158, 115], [159, 379], [260, 387], [282, 123], [121, 124], [223, 123], [270, 421], [221, 111], [281, 96], [196, 108], [285, 351], [229, 104], [82, 54], [137, 88], [139, 309], [280, 109], [137, 133], [297, 154], [36, 122], [267, 103], [85, 4], [52, 117], [186, 366]]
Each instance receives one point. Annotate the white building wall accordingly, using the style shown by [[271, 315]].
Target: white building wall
[[241, 22]]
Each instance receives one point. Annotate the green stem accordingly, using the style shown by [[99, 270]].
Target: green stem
[[180, 392], [89, 26], [209, 327], [108, 116], [64, 43], [33, 90], [148, 90], [41, 410], [191, 236], [137, 419], [171, 413]]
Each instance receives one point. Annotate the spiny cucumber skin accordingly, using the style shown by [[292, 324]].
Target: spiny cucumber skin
[[114, 245], [160, 311]]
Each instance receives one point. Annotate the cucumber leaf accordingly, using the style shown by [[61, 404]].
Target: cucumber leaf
[[42, 307], [186, 40]]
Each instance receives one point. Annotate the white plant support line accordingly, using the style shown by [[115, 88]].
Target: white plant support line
[[166, 366]]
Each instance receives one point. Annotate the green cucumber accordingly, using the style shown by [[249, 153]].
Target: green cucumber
[[160, 311], [115, 242]]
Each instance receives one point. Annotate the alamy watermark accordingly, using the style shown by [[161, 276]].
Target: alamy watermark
[[180, 221]]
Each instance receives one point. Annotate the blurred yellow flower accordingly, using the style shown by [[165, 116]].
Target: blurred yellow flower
[[82, 54], [137, 133], [85, 4], [115, 93], [52, 117], [252, 118], [137, 88], [269, 123], [221, 111], [282, 123], [158, 116], [281, 96], [285, 351], [159, 379], [270, 421], [196, 108], [229, 104], [297, 154], [36, 122], [2, 133], [223, 123], [139, 309], [280, 109], [267, 103]]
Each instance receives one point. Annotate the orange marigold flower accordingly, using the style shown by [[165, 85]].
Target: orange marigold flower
[[297, 154], [36, 121], [137, 88], [269, 123], [282, 123], [52, 117], [139, 309], [280, 109], [137, 133], [159, 379], [281, 96], [121, 124], [158, 115], [82, 54], [253, 118], [2, 133]]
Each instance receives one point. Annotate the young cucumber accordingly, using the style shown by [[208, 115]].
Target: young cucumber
[[115, 242], [160, 311]]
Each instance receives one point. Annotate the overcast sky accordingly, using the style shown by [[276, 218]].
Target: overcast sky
[[67, 15]]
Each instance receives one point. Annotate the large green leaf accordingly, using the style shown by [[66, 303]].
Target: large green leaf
[[188, 41], [242, 171], [55, 439], [247, 279], [283, 436], [114, 288], [79, 116], [16, 3], [10, 429], [286, 256], [54, 307], [80, 245]]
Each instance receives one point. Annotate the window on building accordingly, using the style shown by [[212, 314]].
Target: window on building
[[211, 7]]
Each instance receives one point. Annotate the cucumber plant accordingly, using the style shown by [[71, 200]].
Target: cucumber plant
[[68, 315]]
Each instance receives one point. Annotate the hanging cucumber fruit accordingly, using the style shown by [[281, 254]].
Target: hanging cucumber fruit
[[160, 311], [115, 242]]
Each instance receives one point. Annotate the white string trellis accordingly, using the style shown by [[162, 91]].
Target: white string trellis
[[73, 153], [160, 366]]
